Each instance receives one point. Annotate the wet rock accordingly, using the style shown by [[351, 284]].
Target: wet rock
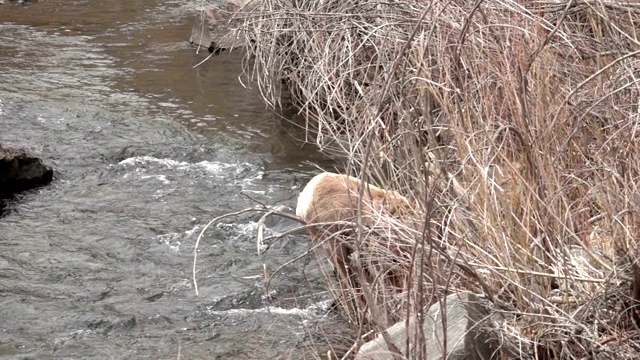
[[216, 26], [20, 170], [467, 321]]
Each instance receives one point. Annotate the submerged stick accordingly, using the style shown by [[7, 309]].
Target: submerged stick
[[261, 208]]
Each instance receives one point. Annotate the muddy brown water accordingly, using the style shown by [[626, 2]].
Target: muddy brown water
[[146, 151]]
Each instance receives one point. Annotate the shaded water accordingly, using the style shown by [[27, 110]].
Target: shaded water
[[146, 151]]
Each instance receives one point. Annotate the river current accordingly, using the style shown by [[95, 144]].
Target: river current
[[147, 150]]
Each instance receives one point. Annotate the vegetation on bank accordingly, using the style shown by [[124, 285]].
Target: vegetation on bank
[[516, 127]]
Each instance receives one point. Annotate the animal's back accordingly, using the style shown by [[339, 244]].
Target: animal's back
[[333, 197], [328, 197]]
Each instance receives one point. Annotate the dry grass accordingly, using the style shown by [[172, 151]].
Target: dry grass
[[514, 124]]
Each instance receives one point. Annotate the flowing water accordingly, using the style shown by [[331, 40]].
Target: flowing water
[[147, 150]]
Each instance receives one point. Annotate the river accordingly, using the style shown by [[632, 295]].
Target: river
[[147, 150]]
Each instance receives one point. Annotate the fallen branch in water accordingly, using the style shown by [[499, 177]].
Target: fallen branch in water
[[262, 208]]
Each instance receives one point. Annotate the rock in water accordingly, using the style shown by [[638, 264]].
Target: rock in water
[[20, 170]]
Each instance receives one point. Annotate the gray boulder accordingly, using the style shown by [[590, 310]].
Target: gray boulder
[[20, 170], [466, 318]]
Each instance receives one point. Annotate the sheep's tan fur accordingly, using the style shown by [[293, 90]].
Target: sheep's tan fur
[[330, 197]]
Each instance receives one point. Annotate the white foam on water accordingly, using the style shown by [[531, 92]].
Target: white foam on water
[[162, 178], [168, 104], [192, 231], [259, 192], [136, 160], [212, 167], [310, 311], [174, 240], [171, 240], [185, 284], [241, 230], [246, 175]]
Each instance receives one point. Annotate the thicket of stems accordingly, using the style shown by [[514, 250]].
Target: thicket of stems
[[515, 125]]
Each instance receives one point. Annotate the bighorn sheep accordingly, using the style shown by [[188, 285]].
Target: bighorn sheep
[[330, 197]]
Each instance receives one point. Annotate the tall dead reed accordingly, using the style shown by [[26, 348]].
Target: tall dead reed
[[514, 124]]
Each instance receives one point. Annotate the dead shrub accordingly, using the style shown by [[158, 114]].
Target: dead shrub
[[514, 124]]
